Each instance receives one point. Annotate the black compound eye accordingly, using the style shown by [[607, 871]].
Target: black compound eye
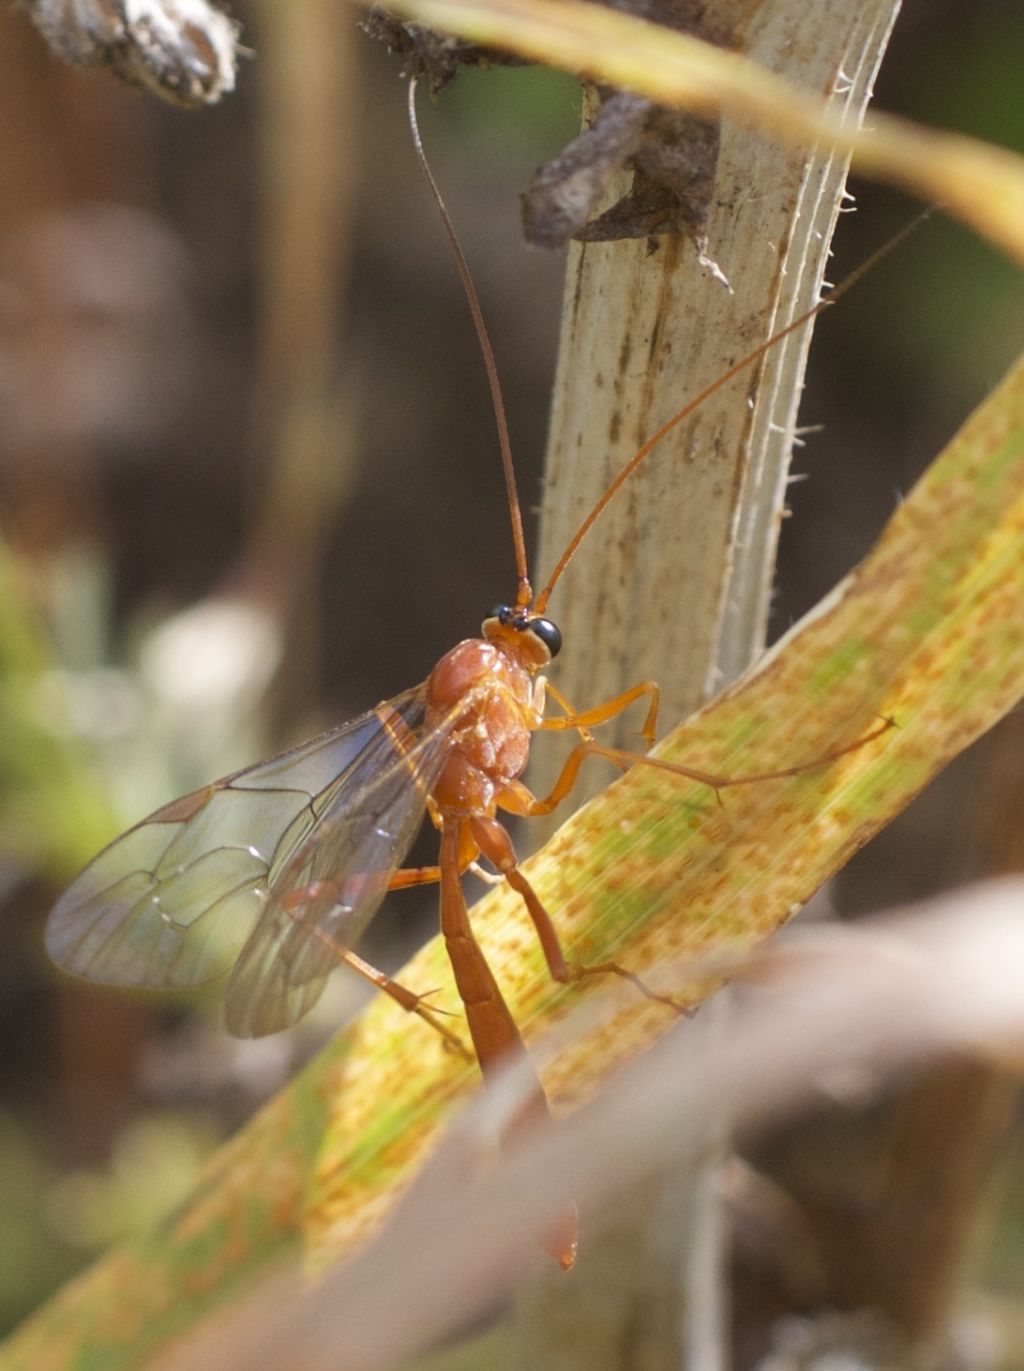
[[549, 634]]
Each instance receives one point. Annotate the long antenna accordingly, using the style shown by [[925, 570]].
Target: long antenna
[[707, 392], [524, 593]]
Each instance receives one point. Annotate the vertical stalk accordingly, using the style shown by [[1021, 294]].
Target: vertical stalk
[[675, 582]]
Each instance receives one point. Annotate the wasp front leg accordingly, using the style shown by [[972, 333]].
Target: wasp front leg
[[611, 709]]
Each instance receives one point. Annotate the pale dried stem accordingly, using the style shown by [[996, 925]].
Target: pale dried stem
[[675, 582]]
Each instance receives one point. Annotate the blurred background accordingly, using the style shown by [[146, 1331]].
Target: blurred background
[[249, 487]]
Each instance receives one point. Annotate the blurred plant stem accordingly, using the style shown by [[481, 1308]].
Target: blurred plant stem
[[301, 417]]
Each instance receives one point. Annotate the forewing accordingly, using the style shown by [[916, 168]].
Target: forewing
[[322, 897], [172, 902]]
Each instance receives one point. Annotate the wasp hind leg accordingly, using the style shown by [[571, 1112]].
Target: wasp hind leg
[[494, 843]]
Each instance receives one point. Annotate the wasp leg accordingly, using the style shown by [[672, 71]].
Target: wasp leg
[[600, 714], [408, 999], [495, 844]]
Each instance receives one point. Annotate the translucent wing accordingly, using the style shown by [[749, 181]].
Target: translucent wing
[[324, 894], [175, 900]]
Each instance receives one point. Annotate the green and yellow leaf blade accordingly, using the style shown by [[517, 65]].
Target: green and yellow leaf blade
[[928, 630]]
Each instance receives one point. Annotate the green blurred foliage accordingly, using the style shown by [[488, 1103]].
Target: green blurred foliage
[[54, 810]]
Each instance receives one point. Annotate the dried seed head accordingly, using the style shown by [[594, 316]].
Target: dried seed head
[[185, 51]]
